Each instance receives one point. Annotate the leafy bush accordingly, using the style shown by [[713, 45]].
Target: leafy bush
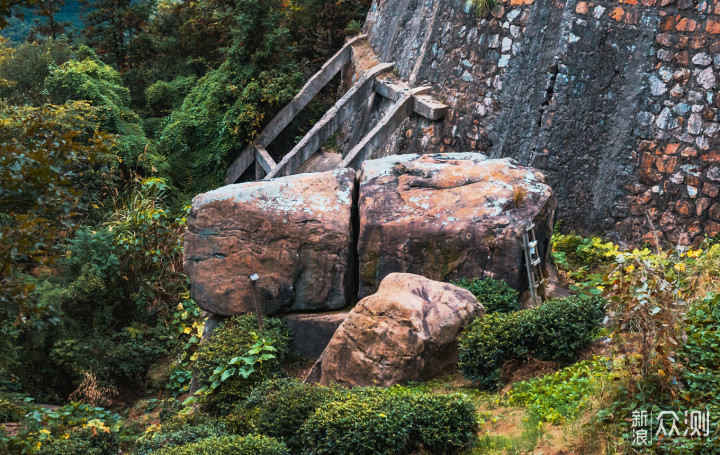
[[495, 295], [89, 79], [79, 426], [390, 421], [556, 330], [233, 339], [230, 445], [12, 408], [559, 329], [487, 343], [82, 441], [282, 411], [563, 395], [572, 249], [177, 434]]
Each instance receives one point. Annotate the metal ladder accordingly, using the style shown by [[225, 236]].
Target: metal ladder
[[533, 265]]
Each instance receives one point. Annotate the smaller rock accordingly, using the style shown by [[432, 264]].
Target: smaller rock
[[701, 59], [407, 331], [706, 78]]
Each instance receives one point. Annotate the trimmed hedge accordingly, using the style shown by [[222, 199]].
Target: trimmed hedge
[[177, 434], [283, 411], [391, 421], [230, 445], [495, 295], [556, 330]]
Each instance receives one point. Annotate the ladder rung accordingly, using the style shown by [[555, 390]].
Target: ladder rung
[[530, 227], [536, 262]]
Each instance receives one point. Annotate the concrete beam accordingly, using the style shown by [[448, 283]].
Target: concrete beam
[[240, 165], [263, 157], [291, 110], [428, 107], [330, 122], [378, 135], [423, 104]]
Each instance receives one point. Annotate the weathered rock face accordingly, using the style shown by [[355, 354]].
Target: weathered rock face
[[294, 232], [449, 216], [617, 101], [407, 331]]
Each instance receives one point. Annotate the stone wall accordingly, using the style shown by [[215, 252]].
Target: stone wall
[[615, 100]]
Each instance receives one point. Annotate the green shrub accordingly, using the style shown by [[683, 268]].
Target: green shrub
[[232, 339], [495, 295], [82, 441], [390, 421], [177, 434], [230, 445], [573, 250], [556, 330], [561, 328], [282, 412], [12, 409]]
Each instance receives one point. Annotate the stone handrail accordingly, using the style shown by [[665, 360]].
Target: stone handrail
[[405, 101], [313, 86], [330, 122]]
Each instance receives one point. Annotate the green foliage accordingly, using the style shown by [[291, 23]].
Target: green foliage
[[13, 407], [111, 24], [354, 28], [564, 395], [495, 295], [23, 69], [178, 434], [574, 250], [106, 314], [162, 97], [94, 81], [189, 326], [391, 421], [480, 7], [239, 336], [73, 426], [52, 162], [282, 411], [556, 330], [243, 365], [230, 445]]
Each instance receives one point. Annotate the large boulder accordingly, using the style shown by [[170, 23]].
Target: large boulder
[[407, 331], [449, 216], [294, 232]]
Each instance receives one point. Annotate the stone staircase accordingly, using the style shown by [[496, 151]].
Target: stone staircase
[[378, 80]]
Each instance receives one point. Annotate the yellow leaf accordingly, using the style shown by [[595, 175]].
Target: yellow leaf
[[661, 373]]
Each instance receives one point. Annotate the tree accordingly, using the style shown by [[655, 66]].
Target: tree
[[111, 24], [49, 26], [53, 166], [92, 80]]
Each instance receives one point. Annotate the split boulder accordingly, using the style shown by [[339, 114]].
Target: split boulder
[[449, 216], [294, 232]]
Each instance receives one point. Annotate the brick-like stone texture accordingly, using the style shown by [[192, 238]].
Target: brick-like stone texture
[[616, 101]]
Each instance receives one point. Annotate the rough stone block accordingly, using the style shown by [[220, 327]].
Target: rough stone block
[[312, 332], [449, 216], [294, 232]]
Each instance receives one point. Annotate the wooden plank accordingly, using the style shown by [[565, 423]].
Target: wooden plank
[[330, 122]]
